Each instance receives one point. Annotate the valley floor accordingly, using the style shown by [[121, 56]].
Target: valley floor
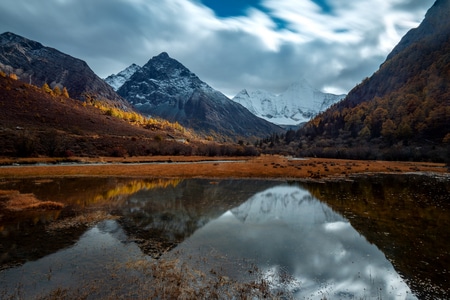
[[265, 166]]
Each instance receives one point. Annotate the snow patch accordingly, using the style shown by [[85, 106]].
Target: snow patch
[[117, 80], [298, 104]]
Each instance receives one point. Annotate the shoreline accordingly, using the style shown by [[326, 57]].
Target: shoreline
[[262, 167]]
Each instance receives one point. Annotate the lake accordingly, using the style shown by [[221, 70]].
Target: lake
[[365, 237]]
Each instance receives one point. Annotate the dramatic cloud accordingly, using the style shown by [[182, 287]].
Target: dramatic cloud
[[264, 44]]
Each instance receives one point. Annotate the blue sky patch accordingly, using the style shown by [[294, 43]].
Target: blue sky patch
[[326, 8], [231, 8], [234, 8]]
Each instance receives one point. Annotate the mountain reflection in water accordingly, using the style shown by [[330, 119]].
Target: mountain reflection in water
[[407, 217], [284, 229], [300, 244]]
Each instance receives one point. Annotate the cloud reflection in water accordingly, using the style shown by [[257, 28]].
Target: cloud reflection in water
[[285, 228]]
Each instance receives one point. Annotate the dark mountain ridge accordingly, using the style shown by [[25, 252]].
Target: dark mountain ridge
[[165, 88], [415, 53], [36, 64], [402, 111], [436, 20], [37, 122], [34, 122]]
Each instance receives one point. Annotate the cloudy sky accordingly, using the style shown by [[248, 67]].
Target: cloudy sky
[[230, 44]]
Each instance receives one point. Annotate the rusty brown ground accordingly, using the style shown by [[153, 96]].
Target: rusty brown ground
[[266, 166]]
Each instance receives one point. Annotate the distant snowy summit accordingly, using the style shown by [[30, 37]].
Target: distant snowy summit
[[117, 80], [296, 105], [165, 88]]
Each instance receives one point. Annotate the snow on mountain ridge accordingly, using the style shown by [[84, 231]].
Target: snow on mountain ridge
[[117, 80], [297, 104], [283, 203], [167, 81], [165, 88]]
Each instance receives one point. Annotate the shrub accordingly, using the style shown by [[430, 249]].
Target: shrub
[[25, 145], [50, 142], [118, 152]]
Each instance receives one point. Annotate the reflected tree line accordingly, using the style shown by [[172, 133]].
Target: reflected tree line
[[407, 217]]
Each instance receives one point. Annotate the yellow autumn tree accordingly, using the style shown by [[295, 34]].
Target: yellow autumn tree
[[56, 91], [46, 88], [388, 129], [65, 93]]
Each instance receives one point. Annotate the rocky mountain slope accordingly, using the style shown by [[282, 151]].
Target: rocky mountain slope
[[402, 111], [34, 122], [36, 64], [415, 53], [165, 88], [117, 80], [297, 105]]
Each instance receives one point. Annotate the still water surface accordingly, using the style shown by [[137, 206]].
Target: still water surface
[[375, 237]]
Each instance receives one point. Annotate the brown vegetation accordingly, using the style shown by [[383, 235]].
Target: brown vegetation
[[401, 112], [173, 279], [265, 166], [166, 279], [37, 123], [15, 201]]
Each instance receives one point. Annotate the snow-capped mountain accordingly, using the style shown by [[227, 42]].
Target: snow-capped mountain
[[117, 80], [165, 88], [291, 204], [297, 104], [285, 229]]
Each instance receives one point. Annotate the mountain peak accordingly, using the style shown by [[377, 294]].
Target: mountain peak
[[162, 55], [37, 64], [297, 104], [12, 38], [414, 76], [163, 66], [165, 88], [161, 78], [163, 63], [163, 59], [243, 92], [436, 19], [300, 88]]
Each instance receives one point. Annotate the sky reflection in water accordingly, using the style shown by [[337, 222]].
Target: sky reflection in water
[[283, 230]]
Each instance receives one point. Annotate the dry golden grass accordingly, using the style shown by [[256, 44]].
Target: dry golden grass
[[265, 166], [15, 201]]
